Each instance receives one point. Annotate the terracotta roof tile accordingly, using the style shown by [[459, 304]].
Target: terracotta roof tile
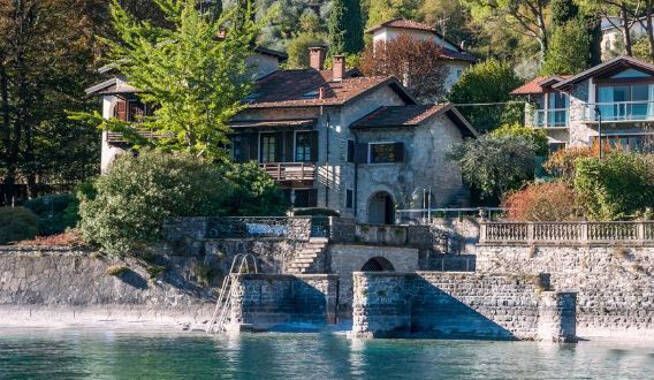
[[402, 23], [400, 116], [292, 88], [534, 86]]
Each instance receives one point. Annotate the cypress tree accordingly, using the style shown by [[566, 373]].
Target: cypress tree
[[345, 27]]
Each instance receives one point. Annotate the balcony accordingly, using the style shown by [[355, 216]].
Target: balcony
[[553, 118], [620, 112], [299, 172]]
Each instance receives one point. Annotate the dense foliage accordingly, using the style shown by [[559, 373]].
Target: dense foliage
[[56, 212], [17, 224], [537, 137], [127, 207], [570, 49], [345, 27], [543, 202], [488, 82], [620, 186], [496, 165]]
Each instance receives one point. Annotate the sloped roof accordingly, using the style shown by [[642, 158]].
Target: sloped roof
[[302, 88], [402, 23], [538, 84], [110, 86], [606, 68], [413, 115]]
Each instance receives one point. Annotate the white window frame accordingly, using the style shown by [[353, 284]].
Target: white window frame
[[260, 147], [295, 143]]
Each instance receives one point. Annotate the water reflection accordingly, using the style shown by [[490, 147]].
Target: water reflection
[[120, 354]]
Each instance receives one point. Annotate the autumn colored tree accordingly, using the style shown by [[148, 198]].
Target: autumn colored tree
[[543, 202], [414, 61]]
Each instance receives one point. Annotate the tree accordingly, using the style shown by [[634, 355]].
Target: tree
[[570, 49], [125, 209], [345, 27], [490, 81], [196, 80], [379, 11], [495, 165], [543, 202], [450, 18], [537, 137], [626, 10], [46, 53], [616, 187], [415, 61], [563, 11], [526, 17], [298, 49]]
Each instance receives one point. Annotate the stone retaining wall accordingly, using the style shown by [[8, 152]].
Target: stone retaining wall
[[615, 284], [267, 301], [460, 305]]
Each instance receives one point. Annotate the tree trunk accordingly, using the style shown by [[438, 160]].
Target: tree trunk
[[542, 27], [626, 30], [649, 28]]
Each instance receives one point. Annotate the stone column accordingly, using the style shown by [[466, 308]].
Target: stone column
[[381, 306], [557, 317]]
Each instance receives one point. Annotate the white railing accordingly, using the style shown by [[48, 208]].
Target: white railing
[[551, 118], [566, 232], [426, 215], [620, 111]]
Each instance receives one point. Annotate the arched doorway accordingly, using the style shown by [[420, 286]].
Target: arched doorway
[[377, 264], [381, 208]]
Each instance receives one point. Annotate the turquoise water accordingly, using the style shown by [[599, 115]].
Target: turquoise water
[[100, 354]]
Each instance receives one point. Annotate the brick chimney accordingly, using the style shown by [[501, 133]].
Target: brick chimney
[[317, 57], [338, 67]]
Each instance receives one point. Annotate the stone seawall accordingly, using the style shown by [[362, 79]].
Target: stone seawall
[[460, 305], [615, 284], [270, 301], [59, 286]]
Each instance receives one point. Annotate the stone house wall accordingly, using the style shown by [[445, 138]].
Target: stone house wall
[[615, 284], [457, 305]]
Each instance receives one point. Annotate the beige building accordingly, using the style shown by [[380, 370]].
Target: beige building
[[333, 139]]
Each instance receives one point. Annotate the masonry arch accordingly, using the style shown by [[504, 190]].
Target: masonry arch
[[381, 208], [378, 264]]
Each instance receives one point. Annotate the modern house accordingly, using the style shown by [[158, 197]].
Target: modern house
[[618, 93], [332, 138], [612, 42], [457, 58]]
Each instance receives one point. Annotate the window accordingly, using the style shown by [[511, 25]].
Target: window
[[268, 148], [237, 148], [306, 198], [386, 152], [349, 198], [350, 150], [459, 72], [303, 146]]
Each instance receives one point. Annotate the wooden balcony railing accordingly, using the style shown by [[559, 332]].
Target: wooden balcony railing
[[290, 171], [567, 232]]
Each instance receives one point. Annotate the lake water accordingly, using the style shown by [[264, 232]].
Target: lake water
[[99, 354]]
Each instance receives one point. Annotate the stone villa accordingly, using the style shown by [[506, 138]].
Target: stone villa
[[332, 138], [569, 108]]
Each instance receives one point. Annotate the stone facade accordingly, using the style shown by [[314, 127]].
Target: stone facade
[[615, 283], [267, 302], [457, 305]]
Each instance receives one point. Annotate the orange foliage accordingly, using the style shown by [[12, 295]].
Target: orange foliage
[[543, 202], [70, 237], [562, 163]]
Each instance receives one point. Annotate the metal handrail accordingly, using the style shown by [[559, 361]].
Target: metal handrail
[[620, 111], [542, 118]]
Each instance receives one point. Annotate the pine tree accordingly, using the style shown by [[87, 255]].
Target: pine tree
[[570, 49], [345, 27], [563, 11]]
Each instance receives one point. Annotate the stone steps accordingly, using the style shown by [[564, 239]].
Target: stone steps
[[310, 254]]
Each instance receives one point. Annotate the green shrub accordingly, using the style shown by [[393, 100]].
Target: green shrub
[[55, 212], [16, 224], [128, 205], [620, 186], [116, 270], [537, 137], [317, 211]]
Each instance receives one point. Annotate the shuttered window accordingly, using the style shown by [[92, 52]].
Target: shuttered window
[[120, 110], [386, 152]]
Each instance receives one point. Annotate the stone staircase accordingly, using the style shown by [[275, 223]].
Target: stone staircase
[[309, 257]]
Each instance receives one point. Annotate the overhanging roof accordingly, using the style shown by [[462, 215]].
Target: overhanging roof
[[606, 68]]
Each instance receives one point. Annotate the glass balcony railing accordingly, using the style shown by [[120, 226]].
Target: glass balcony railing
[[551, 118], [620, 111]]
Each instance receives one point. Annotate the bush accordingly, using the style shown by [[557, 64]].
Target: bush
[[617, 187], [543, 202], [562, 163], [55, 212], [17, 224], [537, 137], [317, 211], [495, 165], [127, 207]]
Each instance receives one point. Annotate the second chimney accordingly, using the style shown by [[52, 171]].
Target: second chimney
[[338, 68], [317, 57]]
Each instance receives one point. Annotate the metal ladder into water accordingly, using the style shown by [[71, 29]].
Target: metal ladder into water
[[224, 302]]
